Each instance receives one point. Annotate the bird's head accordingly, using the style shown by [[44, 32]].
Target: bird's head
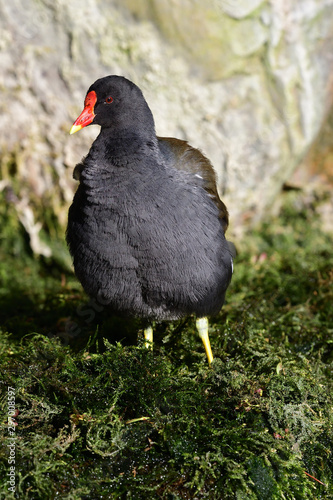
[[115, 103]]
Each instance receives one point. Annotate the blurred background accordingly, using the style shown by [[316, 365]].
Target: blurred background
[[247, 82]]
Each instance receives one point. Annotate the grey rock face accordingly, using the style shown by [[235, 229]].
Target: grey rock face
[[246, 82]]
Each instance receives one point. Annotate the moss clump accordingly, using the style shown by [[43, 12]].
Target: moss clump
[[102, 419]]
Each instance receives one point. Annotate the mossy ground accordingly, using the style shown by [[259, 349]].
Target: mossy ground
[[100, 416]]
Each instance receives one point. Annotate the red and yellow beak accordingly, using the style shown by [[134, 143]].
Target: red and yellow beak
[[87, 115]]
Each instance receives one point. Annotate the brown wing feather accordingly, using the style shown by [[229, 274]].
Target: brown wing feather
[[183, 157]]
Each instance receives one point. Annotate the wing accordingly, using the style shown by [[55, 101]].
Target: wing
[[180, 155]]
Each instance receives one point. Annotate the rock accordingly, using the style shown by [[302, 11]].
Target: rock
[[246, 82]]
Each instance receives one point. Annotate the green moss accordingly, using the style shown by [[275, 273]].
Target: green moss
[[102, 419]]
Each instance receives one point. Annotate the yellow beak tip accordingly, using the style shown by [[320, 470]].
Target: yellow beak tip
[[75, 128]]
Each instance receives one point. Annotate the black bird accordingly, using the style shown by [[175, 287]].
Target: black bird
[[146, 226]]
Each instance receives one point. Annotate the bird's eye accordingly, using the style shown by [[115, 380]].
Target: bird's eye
[[108, 100]]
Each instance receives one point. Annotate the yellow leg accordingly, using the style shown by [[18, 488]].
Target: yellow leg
[[148, 333], [202, 327]]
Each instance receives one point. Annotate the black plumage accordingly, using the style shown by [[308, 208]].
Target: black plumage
[[146, 226]]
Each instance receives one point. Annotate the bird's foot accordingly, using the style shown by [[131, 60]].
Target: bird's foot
[[202, 327], [148, 334]]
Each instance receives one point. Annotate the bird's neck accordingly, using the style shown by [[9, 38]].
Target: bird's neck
[[116, 161], [129, 143]]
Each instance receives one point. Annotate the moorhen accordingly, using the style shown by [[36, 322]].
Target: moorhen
[[146, 226]]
